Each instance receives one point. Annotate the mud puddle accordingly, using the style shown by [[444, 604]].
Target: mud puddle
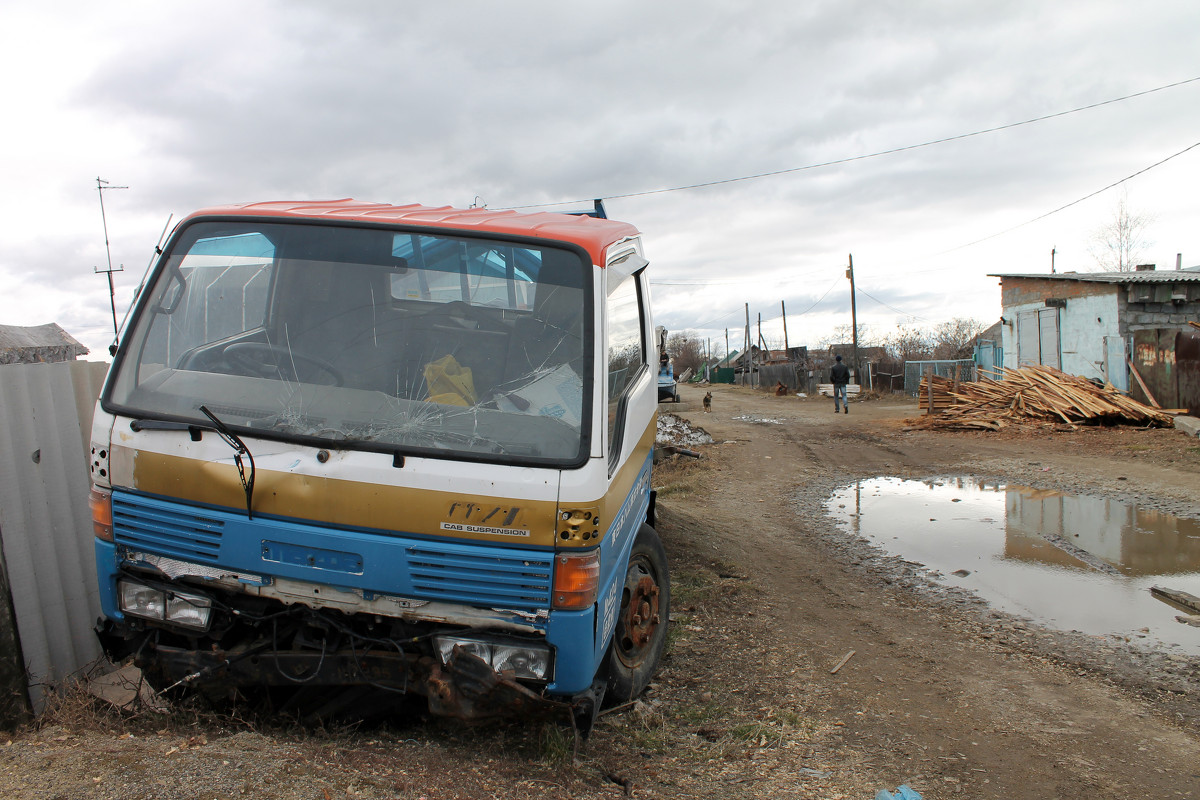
[[1068, 562]]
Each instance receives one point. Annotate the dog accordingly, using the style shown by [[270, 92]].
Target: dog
[[708, 403]]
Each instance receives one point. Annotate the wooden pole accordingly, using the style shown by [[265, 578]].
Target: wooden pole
[[853, 313], [783, 310], [748, 358]]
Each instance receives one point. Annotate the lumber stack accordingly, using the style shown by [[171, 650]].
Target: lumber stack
[[1031, 392]]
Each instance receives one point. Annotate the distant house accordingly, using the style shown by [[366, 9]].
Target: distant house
[[38, 344], [1094, 324], [729, 361], [988, 350]]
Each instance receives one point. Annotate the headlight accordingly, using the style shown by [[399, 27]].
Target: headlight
[[188, 610], [510, 658], [141, 601], [177, 608], [522, 662]]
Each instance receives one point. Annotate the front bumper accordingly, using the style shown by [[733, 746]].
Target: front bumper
[[465, 688]]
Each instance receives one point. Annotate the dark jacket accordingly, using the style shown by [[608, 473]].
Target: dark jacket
[[840, 374]]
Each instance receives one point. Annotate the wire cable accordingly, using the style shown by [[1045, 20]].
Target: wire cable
[[860, 290], [850, 159], [1073, 202]]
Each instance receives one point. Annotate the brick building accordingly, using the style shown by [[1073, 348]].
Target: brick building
[[1093, 323]]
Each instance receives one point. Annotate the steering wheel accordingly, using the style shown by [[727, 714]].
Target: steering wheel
[[262, 360]]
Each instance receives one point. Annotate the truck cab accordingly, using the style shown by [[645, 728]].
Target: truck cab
[[398, 449]]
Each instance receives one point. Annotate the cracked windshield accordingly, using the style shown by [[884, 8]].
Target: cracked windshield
[[367, 337]]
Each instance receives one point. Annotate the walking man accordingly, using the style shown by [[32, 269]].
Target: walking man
[[839, 376]]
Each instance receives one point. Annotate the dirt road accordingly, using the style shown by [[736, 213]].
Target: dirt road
[[769, 597], [944, 695]]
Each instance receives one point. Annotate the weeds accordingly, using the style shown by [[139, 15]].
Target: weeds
[[557, 745], [649, 729]]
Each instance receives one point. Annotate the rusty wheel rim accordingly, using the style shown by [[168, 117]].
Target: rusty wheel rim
[[639, 618]]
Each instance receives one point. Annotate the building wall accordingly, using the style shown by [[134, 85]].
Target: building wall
[[1159, 315], [1091, 314]]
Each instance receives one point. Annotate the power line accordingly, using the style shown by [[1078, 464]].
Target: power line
[[1073, 202], [888, 305], [822, 297], [984, 239], [705, 324], [877, 154]]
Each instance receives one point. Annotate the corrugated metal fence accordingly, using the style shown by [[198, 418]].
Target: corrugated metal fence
[[963, 369], [45, 524]]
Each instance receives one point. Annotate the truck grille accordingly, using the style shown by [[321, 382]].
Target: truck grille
[[517, 579], [170, 529], [486, 575]]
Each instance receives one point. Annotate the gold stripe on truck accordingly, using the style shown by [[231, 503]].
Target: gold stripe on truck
[[341, 502], [622, 483]]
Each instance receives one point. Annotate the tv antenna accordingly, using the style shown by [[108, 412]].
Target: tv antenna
[[101, 187]]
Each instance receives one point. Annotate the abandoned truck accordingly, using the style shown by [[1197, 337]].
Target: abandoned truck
[[358, 450]]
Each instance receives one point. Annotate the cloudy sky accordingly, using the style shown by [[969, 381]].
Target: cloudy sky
[[522, 103]]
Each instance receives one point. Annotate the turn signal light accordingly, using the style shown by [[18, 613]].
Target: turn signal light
[[576, 580], [102, 523]]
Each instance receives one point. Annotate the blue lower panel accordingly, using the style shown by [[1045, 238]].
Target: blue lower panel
[[106, 573], [475, 574], [570, 633]]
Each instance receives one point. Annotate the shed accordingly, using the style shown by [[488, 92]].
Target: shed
[[1094, 324], [38, 344]]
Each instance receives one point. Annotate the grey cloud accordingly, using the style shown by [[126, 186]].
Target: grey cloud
[[549, 101]]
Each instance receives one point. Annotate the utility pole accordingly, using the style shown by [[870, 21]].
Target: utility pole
[[853, 314], [783, 309], [749, 359], [101, 187], [1052, 251], [727, 361]]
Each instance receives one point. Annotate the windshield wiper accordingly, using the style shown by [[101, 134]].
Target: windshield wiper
[[239, 449]]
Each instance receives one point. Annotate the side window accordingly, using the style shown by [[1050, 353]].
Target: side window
[[220, 290], [626, 347]]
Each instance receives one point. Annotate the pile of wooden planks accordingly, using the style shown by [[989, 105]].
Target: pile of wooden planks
[[1031, 392]]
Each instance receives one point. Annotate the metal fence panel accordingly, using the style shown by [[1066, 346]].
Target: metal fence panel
[[45, 524], [772, 374], [913, 370]]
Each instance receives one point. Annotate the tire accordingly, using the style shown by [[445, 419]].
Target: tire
[[641, 631]]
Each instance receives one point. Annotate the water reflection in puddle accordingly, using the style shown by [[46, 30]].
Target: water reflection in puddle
[[1068, 562]]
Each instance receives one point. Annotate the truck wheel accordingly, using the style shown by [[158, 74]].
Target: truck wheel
[[641, 631]]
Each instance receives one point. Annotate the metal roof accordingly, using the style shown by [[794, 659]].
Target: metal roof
[[50, 335], [1189, 275], [593, 234]]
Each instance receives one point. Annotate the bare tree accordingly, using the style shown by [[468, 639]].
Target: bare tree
[[1118, 244], [844, 334], [909, 344], [686, 351], [956, 338]]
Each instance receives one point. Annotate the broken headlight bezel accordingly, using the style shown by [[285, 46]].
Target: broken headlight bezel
[[168, 606], [513, 658]]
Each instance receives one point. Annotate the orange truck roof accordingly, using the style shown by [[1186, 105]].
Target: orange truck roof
[[593, 234]]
